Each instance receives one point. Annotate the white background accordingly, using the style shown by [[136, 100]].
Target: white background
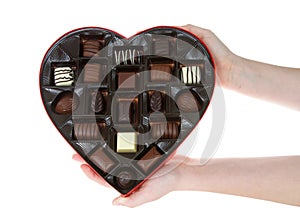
[[37, 173]]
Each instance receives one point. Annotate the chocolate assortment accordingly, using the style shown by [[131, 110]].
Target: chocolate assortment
[[125, 105]]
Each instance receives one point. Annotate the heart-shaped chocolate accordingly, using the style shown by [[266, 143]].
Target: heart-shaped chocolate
[[125, 105]]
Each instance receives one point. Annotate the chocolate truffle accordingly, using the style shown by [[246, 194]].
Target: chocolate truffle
[[66, 103], [63, 76], [91, 47], [92, 72], [187, 102], [191, 75], [156, 101], [87, 131], [164, 130], [126, 109], [98, 102], [102, 160], [161, 72], [125, 179], [161, 47], [126, 142], [149, 159], [128, 78]]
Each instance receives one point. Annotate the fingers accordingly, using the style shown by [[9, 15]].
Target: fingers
[[91, 174], [144, 195], [78, 158]]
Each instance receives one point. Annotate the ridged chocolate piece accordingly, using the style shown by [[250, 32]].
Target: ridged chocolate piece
[[187, 102], [66, 103], [156, 101], [86, 131], [161, 72], [98, 102], [91, 47], [162, 130], [92, 72]]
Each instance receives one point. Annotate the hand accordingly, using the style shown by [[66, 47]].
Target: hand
[[151, 190], [225, 61]]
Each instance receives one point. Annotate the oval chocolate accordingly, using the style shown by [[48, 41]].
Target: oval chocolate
[[66, 103]]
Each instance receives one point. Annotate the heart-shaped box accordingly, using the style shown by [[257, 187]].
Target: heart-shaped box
[[125, 105]]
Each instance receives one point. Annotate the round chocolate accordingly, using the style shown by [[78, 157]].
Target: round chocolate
[[187, 102], [97, 104], [124, 179], [156, 101], [66, 103]]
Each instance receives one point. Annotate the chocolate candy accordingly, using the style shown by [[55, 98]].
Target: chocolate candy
[[63, 76], [149, 159], [128, 56], [92, 73], [126, 142], [66, 103], [187, 102], [98, 102], [87, 131], [125, 179], [102, 160], [126, 109], [91, 46], [161, 72], [156, 101], [126, 80], [191, 75], [164, 130]]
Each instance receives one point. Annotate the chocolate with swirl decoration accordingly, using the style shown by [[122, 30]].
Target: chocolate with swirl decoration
[[63, 76], [97, 104], [156, 101]]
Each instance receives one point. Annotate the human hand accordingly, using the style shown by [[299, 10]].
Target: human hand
[[165, 180], [225, 61]]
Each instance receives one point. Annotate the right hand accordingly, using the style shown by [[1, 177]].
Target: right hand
[[225, 61]]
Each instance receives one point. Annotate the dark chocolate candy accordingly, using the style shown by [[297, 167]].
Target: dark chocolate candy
[[156, 101], [66, 103], [187, 102], [98, 102], [125, 179], [102, 160], [149, 159], [164, 130], [87, 131], [161, 72], [130, 81], [91, 47], [92, 72], [124, 110]]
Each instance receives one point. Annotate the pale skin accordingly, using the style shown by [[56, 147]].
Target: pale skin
[[269, 178]]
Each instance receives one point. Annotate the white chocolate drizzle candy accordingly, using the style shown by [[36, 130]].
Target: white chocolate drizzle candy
[[191, 75], [128, 56], [63, 76]]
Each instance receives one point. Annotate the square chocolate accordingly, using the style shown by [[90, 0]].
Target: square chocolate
[[161, 72], [91, 46], [126, 80], [149, 159], [102, 160], [126, 142]]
